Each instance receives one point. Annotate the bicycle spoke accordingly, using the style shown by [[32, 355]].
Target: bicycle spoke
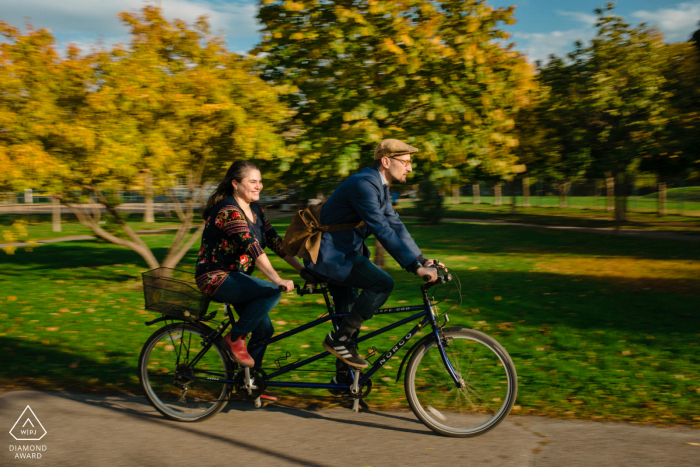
[[170, 379], [460, 411]]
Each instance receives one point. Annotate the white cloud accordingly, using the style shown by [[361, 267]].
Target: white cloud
[[585, 18], [677, 23], [86, 21], [539, 46]]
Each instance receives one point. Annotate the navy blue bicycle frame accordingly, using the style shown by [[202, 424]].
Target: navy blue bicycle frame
[[425, 312]]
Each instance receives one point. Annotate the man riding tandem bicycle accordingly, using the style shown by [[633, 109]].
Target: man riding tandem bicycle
[[458, 382]]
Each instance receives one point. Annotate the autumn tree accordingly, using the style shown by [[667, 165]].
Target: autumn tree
[[677, 149], [561, 105], [174, 103], [626, 99], [436, 74]]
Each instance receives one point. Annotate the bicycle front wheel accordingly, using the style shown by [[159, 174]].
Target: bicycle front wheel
[[177, 388], [490, 384]]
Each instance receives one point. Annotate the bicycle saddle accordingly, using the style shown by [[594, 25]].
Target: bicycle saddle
[[313, 277]]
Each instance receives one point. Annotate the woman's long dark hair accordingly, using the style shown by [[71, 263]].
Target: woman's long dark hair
[[237, 172]]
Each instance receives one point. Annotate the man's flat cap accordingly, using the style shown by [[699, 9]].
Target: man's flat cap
[[392, 147]]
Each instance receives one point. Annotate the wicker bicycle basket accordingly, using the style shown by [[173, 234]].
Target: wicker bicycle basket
[[174, 293]]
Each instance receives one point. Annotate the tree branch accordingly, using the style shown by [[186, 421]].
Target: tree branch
[[136, 244], [172, 260]]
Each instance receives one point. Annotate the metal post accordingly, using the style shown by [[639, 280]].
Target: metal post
[[354, 389]]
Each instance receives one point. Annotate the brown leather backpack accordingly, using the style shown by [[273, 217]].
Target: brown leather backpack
[[303, 237]]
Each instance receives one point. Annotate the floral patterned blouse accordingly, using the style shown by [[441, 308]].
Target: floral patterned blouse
[[230, 243]]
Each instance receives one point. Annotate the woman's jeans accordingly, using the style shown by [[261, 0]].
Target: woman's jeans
[[252, 298]]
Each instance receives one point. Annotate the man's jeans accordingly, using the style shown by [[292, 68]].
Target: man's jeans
[[376, 286], [252, 298]]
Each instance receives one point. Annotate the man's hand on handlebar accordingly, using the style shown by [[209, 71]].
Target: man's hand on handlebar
[[431, 273], [285, 286], [431, 263]]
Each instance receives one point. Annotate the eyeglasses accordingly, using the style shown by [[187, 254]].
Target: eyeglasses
[[405, 163]]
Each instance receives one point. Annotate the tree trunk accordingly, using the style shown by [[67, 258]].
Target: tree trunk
[[526, 191], [379, 254], [513, 203], [498, 194], [610, 193], [455, 194], [148, 212], [662, 199], [563, 193], [56, 213], [476, 195]]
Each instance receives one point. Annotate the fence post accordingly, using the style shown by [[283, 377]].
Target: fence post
[[476, 194], [28, 196], [55, 213], [497, 194], [526, 191], [610, 185], [661, 199], [148, 211]]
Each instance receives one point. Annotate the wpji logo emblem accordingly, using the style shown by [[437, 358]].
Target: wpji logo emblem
[[28, 427]]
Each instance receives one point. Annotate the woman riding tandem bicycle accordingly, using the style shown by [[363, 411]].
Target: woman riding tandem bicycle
[[458, 382], [236, 232]]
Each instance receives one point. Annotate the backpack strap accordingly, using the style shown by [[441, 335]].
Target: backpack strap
[[303, 237]]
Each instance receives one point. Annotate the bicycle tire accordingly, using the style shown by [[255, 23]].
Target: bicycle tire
[[163, 373], [491, 384]]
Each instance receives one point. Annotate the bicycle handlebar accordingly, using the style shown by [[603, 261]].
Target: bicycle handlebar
[[441, 278]]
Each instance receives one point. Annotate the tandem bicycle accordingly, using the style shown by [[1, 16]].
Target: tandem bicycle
[[459, 382]]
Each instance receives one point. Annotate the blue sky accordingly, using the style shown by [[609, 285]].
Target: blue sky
[[543, 26]]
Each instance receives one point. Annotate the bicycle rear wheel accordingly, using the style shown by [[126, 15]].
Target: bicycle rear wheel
[[174, 386], [490, 384]]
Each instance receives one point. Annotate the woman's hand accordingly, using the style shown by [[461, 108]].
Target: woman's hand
[[288, 285]]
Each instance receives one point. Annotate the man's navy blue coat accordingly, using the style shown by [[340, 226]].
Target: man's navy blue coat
[[361, 197]]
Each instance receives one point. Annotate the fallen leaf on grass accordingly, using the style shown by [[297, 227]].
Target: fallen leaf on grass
[[497, 298], [52, 329], [11, 298]]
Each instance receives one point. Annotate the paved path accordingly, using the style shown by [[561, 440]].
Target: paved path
[[126, 431]]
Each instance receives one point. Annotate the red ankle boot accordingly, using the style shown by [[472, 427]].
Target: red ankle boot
[[239, 350]]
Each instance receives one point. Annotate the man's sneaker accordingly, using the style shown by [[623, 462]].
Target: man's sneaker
[[345, 349]]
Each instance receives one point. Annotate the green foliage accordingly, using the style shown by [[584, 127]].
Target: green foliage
[[172, 104], [434, 74]]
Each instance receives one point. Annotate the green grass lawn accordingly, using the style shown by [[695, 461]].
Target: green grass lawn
[[17, 227], [553, 215], [598, 327]]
